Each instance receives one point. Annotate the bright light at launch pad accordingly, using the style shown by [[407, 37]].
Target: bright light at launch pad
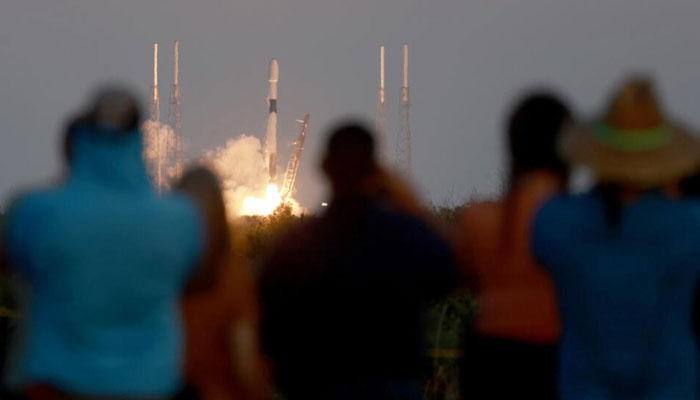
[[263, 206]]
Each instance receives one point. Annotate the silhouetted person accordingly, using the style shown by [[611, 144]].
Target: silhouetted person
[[223, 359], [105, 259], [342, 294], [690, 188], [625, 257], [512, 348]]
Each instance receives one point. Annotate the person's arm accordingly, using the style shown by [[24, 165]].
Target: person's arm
[[463, 243]]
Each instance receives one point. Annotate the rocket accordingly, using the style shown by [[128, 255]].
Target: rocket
[[271, 138]]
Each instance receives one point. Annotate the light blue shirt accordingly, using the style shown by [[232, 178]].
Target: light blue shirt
[[106, 259], [625, 294]]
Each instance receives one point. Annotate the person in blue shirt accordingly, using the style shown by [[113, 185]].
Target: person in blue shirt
[[625, 257], [105, 260]]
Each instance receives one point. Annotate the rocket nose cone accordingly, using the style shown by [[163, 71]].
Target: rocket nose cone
[[274, 70]]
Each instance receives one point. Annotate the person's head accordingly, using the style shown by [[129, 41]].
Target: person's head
[[111, 109], [203, 186], [534, 128], [114, 109], [349, 162], [633, 145]]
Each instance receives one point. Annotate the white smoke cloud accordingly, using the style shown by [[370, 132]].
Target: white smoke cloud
[[241, 166], [159, 142]]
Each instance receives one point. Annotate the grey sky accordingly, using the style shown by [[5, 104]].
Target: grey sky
[[468, 60]]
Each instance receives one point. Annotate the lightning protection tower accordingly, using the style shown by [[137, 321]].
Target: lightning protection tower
[[157, 169], [175, 116], [403, 142], [382, 113]]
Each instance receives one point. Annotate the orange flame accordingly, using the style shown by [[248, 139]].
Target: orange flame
[[263, 206]]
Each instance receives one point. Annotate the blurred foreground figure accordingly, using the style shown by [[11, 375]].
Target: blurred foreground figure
[[105, 260], [223, 358], [342, 295], [512, 350], [625, 257]]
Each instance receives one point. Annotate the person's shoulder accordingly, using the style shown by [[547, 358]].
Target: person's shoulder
[[478, 213], [686, 212], [180, 212], [35, 199], [564, 213], [566, 207], [476, 210], [408, 229], [395, 219]]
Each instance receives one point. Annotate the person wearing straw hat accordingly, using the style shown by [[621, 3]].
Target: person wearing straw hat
[[625, 257]]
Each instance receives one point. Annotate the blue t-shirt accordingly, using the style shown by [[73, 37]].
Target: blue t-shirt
[[626, 294], [105, 259]]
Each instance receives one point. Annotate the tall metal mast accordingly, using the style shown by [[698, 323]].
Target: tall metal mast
[[382, 113], [290, 174], [175, 116], [403, 142], [155, 119]]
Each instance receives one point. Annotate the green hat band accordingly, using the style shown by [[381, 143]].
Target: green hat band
[[618, 139]]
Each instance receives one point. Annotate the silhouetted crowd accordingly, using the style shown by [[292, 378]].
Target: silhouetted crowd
[[124, 293]]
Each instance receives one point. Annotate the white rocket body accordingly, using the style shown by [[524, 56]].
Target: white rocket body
[[271, 137]]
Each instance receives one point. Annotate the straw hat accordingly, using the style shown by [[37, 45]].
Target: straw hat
[[633, 143]]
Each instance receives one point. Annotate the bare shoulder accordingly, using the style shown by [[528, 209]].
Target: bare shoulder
[[480, 214]]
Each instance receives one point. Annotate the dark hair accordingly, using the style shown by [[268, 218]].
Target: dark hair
[[612, 204], [203, 186], [350, 152], [690, 186], [534, 128], [116, 107], [71, 128]]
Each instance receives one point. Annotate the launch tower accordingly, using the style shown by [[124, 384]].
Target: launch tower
[[290, 174]]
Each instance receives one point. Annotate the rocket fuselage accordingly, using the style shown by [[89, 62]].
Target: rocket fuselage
[[271, 137]]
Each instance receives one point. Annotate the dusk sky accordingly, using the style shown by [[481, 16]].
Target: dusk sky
[[469, 59]]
